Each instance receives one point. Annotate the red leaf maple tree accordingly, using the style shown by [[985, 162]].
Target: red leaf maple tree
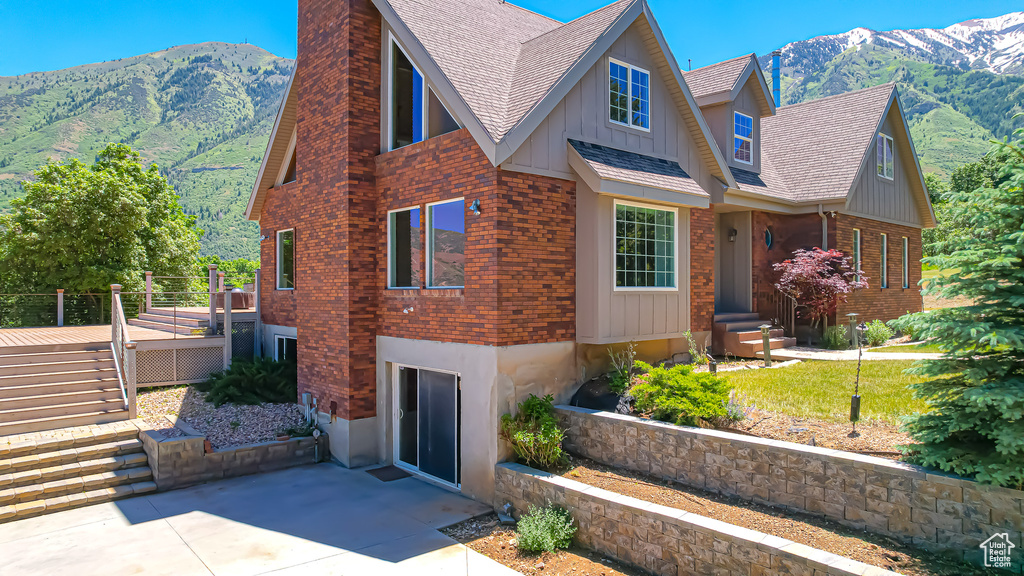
[[819, 280]]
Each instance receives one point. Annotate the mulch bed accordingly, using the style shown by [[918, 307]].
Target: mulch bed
[[875, 438], [229, 425], [485, 535], [805, 529]]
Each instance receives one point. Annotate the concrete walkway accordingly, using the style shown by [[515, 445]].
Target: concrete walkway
[[323, 520], [800, 353]]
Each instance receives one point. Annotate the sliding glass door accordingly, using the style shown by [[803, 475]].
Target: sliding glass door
[[427, 422]]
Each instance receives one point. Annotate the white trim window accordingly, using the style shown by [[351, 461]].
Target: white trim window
[[286, 259], [885, 261], [906, 263], [446, 244], [646, 247], [883, 150], [629, 90], [856, 252], [404, 248], [743, 138], [285, 348]]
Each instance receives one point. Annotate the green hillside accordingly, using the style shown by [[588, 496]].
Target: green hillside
[[953, 112], [202, 112]]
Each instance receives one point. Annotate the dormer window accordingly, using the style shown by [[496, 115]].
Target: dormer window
[[415, 112], [630, 91], [883, 145], [743, 138]]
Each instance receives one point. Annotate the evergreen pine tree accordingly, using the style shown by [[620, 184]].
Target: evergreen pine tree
[[975, 426]]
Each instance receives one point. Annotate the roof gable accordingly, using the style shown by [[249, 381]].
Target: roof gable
[[277, 149], [723, 81]]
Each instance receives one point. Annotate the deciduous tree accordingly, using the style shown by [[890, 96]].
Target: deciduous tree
[[819, 280]]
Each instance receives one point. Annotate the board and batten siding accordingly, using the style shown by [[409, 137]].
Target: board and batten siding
[[890, 200], [604, 315], [720, 120], [583, 115]]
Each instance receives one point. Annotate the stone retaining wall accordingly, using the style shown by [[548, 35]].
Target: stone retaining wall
[[933, 511], [183, 461], [665, 540]]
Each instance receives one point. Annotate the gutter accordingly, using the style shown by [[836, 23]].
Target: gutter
[[824, 229]]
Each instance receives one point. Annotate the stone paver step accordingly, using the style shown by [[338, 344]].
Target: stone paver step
[[46, 503], [60, 438], [18, 427], [73, 484], [70, 469], [68, 455]]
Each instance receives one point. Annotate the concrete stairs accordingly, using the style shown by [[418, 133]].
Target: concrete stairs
[[57, 386], [739, 334], [60, 469], [174, 321]]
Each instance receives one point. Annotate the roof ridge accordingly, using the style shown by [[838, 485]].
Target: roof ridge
[[528, 11], [721, 62], [891, 85], [573, 21]]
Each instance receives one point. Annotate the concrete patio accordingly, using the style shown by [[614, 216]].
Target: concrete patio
[[323, 519]]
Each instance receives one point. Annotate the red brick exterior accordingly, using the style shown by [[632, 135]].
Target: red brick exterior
[[875, 302], [793, 232], [702, 269], [279, 213], [520, 250]]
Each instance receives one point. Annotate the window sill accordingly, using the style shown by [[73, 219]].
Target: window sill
[[284, 289], [430, 292]]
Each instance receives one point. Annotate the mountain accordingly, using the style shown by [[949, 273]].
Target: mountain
[[202, 113], [960, 84]]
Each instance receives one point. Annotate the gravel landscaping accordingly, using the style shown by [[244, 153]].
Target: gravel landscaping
[[486, 536], [805, 529], [229, 425]]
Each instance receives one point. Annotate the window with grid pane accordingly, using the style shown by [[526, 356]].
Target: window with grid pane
[[883, 151], [743, 138], [645, 250], [619, 87], [630, 95]]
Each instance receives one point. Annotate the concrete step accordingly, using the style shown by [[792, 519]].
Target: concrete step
[[743, 325], [747, 335], [45, 388], [179, 320], [52, 423], [118, 447], [736, 316], [73, 484], [54, 377], [57, 410], [49, 357], [68, 397], [169, 328], [750, 348], [71, 469], [60, 366], [46, 504]]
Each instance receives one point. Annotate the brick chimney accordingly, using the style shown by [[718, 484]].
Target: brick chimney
[[336, 235]]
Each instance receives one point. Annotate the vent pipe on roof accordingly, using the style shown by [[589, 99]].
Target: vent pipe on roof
[[776, 80]]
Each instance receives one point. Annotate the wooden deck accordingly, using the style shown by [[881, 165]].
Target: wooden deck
[[78, 335]]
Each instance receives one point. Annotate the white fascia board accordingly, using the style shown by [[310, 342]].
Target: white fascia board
[[270, 144], [754, 68]]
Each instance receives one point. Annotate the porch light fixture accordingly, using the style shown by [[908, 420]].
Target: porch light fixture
[[475, 207], [407, 310], [732, 234]]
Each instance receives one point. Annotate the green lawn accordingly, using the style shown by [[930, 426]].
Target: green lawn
[[822, 389], [923, 348], [928, 274]]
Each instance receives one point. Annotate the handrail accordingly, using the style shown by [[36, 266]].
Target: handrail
[[785, 311], [119, 343], [120, 377]]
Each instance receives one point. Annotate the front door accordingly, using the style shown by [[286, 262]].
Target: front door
[[733, 262], [427, 411]]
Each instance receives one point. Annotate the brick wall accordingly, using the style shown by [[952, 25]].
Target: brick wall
[[932, 511], [280, 212], [702, 269], [789, 233], [520, 250], [875, 302], [664, 540]]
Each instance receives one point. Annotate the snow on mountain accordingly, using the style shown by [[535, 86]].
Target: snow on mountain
[[994, 44]]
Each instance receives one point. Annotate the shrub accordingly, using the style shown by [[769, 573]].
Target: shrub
[[836, 338], [680, 395], [622, 367], [698, 355], [252, 382], [878, 333], [534, 432], [545, 529]]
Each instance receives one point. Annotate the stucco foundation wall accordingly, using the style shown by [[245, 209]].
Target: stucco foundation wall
[[183, 461], [932, 511], [494, 380], [664, 540]]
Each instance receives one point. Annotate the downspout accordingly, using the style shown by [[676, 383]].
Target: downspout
[[824, 229]]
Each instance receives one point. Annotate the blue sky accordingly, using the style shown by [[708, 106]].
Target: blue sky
[[52, 35]]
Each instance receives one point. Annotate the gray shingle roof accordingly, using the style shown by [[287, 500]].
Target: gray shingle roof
[[812, 151], [638, 169], [502, 59], [720, 77]]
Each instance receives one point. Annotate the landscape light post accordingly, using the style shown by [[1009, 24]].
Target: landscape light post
[[766, 345], [855, 399]]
